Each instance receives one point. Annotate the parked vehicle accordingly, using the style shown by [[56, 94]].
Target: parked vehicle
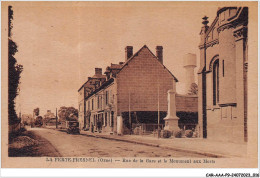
[[72, 127]]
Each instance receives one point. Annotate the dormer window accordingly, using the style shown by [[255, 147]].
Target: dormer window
[[108, 76]]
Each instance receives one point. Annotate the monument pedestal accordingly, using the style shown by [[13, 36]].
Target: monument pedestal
[[171, 120], [171, 124], [119, 125]]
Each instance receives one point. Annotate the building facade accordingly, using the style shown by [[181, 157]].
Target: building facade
[[88, 87], [222, 76], [135, 89]]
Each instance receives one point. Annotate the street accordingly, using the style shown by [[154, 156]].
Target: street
[[84, 146]]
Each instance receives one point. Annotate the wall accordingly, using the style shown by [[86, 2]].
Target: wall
[[187, 103], [223, 125], [105, 108], [81, 107], [138, 81], [226, 120]]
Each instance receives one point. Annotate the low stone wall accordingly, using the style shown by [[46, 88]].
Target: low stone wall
[[187, 111], [186, 103]]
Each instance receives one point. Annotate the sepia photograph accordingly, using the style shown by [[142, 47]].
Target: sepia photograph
[[129, 84]]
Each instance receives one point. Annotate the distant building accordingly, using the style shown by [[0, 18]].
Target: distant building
[[223, 76], [49, 118], [189, 64], [135, 89]]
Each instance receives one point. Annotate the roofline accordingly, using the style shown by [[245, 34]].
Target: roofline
[[83, 85], [126, 63], [89, 80], [106, 83], [212, 25]]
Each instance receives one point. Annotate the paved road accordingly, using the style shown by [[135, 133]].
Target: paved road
[[84, 146]]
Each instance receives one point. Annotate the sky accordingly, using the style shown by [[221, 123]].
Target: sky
[[61, 43]]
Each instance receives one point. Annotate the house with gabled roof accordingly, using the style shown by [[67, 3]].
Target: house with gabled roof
[[135, 89]]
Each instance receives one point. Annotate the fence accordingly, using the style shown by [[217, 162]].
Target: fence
[[146, 129], [188, 126]]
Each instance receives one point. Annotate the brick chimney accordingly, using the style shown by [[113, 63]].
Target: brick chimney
[[159, 53], [128, 52], [98, 71]]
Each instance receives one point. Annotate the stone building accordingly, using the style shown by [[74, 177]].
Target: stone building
[[222, 76], [135, 89], [88, 87]]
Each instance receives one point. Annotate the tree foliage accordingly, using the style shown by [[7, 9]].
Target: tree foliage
[[67, 113], [193, 89], [27, 118], [36, 112], [14, 72], [38, 121]]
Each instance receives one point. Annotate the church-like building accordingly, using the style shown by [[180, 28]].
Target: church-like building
[[222, 76]]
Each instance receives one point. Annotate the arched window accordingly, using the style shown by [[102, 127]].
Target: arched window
[[215, 82]]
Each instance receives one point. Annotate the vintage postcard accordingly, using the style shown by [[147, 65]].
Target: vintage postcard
[[129, 85]]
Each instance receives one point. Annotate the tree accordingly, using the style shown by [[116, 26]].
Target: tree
[[67, 113], [27, 118], [38, 121], [14, 72], [36, 112], [193, 89]]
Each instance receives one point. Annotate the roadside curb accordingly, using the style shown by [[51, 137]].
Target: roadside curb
[[124, 140], [209, 154], [214, 155]]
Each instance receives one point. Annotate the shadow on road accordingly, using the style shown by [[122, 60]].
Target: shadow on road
[[41, 148]]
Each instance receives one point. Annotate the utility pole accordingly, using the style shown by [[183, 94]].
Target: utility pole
[[158, 111], [56, 119], [130, 120]]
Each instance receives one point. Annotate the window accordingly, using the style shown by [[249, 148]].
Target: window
[[106, 97], [98, 102], [111, 97], [101, 101], [112, 118], [92, 104], [88, 105], [215, 82]]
